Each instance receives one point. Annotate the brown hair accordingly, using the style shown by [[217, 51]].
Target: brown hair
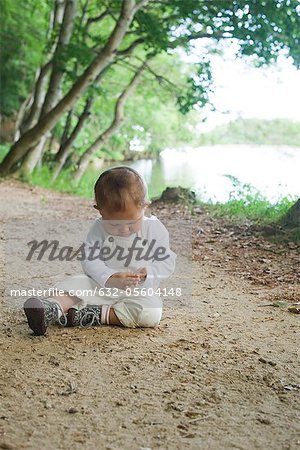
[[118, 185]]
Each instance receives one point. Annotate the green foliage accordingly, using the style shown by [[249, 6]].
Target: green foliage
[[275, 23], [246, 202], [198, 88], [254, 131], [23, 27], [4, 149], [263, 27], [42, 177], [149, 26]]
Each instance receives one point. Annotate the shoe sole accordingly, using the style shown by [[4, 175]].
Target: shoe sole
[[35, 314], [71, 317]]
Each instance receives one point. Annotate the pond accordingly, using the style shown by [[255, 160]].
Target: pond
[[214, 172]]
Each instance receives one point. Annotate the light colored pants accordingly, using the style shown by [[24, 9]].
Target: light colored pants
[[132, 311]]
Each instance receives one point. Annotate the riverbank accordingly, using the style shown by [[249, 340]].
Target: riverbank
[[217, 173], [220, 372]]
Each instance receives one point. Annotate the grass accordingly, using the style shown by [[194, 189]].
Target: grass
[[252, 208], [247, 203], [42, 177]]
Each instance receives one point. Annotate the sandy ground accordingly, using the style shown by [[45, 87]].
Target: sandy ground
[[220, 372]]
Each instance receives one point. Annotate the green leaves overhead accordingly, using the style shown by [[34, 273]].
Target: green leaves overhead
[[262, 27], [199, 86]]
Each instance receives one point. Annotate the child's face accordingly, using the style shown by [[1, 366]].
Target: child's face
[[123, 223]]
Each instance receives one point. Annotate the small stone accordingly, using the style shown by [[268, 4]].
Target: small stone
[[6, 445], [264, 420], [294, 309], [80, 439], [47, 404], [190, 435], [291, 387], [73, 410], [214, 315]]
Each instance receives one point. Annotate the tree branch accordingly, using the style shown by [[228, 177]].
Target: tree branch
[[37, 98], [200, 35], [57, 74], [97, 18], [114, 126], [127, 51], [158, 77], [140, 5]]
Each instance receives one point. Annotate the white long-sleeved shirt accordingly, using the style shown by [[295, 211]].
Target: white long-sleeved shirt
[[152, 231]]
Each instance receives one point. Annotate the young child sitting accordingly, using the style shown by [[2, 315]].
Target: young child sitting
[[126, 256]]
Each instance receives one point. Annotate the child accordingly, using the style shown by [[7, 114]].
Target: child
[[120, 283]]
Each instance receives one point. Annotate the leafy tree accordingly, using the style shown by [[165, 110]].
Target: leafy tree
[[119, 28], [22, 27]]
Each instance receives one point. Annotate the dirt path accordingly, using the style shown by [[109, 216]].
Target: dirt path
[[220, 372]]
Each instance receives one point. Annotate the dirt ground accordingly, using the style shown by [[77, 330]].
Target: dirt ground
[[220, 372]]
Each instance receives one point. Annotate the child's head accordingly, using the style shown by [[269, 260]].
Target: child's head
[[121, 197]]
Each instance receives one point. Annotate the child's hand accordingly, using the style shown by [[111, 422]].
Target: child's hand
[[121, 280], [142, 273]]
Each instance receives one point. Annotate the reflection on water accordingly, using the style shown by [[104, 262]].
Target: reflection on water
[[274, 171]]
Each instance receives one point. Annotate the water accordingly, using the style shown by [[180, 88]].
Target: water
[[274, 171]]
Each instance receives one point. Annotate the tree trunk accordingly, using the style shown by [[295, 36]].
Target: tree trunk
[[65, 149], [66, 31], [65, 133], [32, 159], [38, 99], [68, 122], [58, 13], [47, 122], [20, 117], [39, 89], [54, 89], [50, 142], [115, 125]]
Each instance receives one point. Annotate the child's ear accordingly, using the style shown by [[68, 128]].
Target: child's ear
[[97, 208], [100, 210]]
